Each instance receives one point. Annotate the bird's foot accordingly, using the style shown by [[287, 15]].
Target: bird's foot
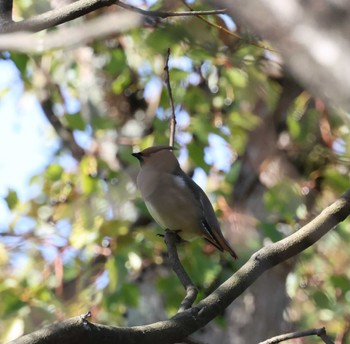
[[176, 232]]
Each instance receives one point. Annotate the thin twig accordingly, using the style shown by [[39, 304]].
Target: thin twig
[[221, 28], [166, 14], [171, 239], [173, 116], [236, 35], [321, 332]]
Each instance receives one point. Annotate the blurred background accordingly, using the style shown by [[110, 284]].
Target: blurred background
[[74, 233]]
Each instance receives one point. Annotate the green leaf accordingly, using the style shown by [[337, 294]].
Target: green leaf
[[54, 172], [202, 268], [201, 129], [172, 290], [113, 273], [196, 153], [284, 199], [99, 122], [117, 63], [88, 165], [88, 180], [176, 75], [195, 100], [21, 61], [336, 180], [121, 82], [322, 300], [11, 199], [74, 121], [161, 40], [198, 53], [129, 293], [11, 303], [270, 231], [237, 77], [244, 120], [340, 281], [89, 185], [232, 175]]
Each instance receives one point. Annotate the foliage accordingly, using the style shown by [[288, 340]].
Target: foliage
[[85, 239]]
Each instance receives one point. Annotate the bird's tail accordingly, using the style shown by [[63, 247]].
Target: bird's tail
[[223, 245]]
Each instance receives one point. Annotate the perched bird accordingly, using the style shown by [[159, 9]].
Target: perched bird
[[174, 200]]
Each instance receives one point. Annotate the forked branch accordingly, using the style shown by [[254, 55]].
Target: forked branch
[[75, 10], [185, 323]]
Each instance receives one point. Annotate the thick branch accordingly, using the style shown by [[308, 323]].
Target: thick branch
[[57, 16], [75, 10], [189, 321], [68, 37]]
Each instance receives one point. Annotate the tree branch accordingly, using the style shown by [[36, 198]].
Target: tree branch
[[44, 95], [5, 12], [167, 14], [112, 23], [68, 37], [321, 332], [185, 323], [173, 116], [76, 10], [57, 16], [223, 29], [66, 135], [172, 239]]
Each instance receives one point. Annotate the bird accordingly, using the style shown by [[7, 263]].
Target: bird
[[174, 200]]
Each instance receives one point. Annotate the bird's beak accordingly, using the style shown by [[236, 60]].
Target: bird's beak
[[137, 155]]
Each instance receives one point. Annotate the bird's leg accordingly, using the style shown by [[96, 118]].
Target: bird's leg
[[171, 239], [176, 232]]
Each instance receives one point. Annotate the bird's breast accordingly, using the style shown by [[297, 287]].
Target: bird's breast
[[173, 205]]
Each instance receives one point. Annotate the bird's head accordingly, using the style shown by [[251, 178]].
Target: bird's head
[[158, 157]]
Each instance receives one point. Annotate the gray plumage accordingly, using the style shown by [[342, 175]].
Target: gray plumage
[[174, 200]]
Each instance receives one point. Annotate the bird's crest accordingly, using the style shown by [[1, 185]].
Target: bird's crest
[[151, 150]]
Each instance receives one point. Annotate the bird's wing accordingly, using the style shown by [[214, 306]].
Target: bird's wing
[[209, 221]]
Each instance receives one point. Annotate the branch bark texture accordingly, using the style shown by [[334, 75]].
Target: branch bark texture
[[172, 239], [76, 10], [57, 16], [185, 323], [320, 332], [68, 37], [170, 93]]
